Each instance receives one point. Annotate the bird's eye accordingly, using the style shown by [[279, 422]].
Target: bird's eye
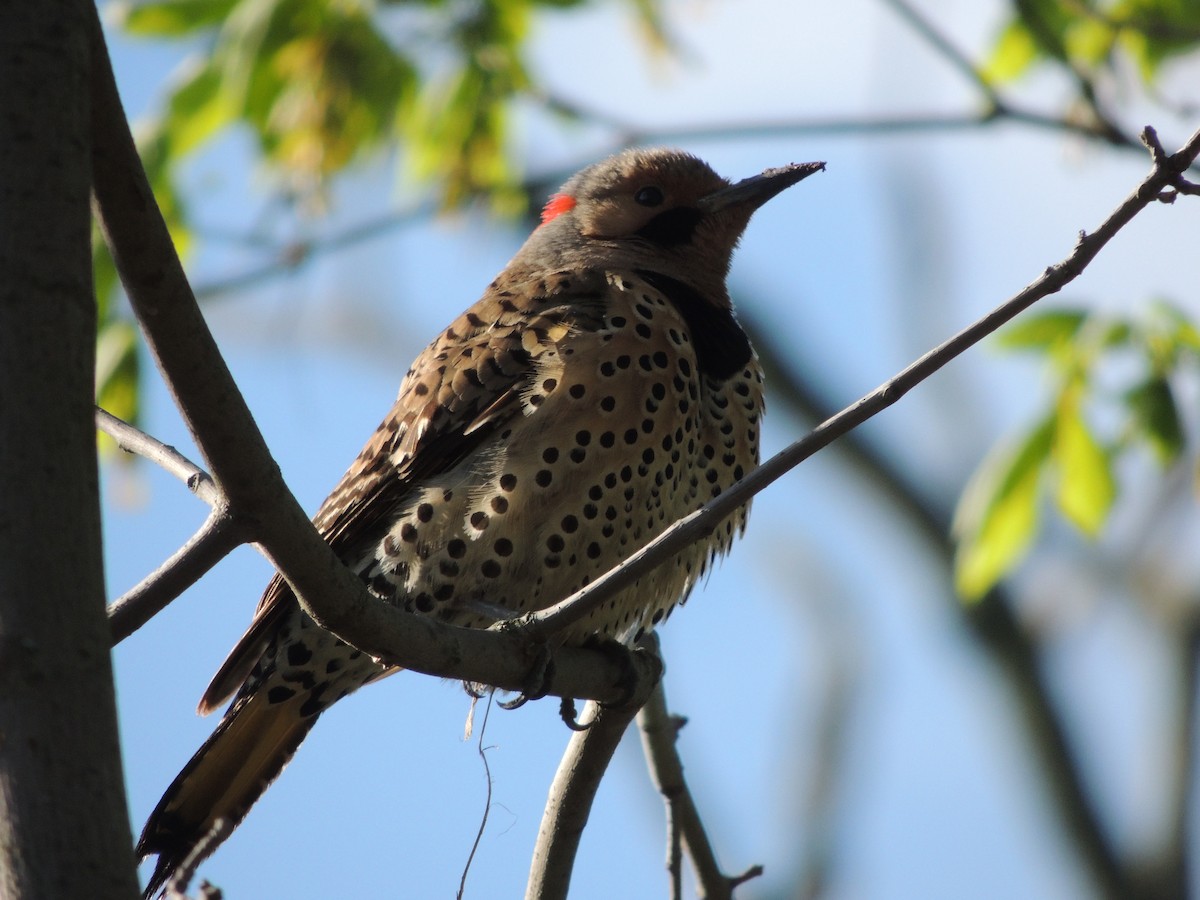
[[648, 196]]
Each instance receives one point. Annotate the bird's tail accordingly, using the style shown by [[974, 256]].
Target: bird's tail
[[249, 748]]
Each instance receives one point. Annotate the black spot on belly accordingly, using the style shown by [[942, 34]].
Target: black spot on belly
[[279, 694], [298, 654]]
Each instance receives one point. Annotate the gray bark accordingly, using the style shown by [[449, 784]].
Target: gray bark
[[64, 829]]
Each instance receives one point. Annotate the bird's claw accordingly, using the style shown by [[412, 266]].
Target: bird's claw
[[570, 716], [537, 683], [618, 653]]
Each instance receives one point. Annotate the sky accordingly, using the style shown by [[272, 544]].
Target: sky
[[831, 625]]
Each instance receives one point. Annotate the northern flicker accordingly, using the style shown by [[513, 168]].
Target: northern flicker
[[599, 390]]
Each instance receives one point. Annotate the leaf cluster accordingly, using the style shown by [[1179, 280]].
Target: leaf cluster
[[1115, 370], [1087, 36]]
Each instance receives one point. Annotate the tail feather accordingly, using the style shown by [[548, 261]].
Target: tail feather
[[249, 748]]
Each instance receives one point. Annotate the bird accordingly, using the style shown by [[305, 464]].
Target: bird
[[599, 390]]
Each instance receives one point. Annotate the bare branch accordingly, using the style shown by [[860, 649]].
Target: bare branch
[[134, 440], [294, 254], [1166, 172], [574, 787], [1101, 125], [659, 730], [217, 538]]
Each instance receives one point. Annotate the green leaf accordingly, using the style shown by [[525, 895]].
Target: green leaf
[[197, 110], [104, 278], [1182, 330], [1156, 418], [1086, 485], [1090, 40], [1042, 331], [1048, 22], [1012, 55], [997, 516], [1153, 31], [172, 18], [118, 369], [1118, 333]]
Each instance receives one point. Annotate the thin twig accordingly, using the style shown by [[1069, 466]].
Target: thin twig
[[1102, 126], [217, 538], [134, 440], [1165, 173], [659, 731], [294, 254]]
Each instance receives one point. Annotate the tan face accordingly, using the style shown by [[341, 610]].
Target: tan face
[[646, 189]]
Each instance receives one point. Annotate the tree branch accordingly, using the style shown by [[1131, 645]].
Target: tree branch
[[220, 534], [1165, 174], [134, 440], [64, 820], [659, 731], [575, 783], [217, 538], [1102, 126], [294, 254]]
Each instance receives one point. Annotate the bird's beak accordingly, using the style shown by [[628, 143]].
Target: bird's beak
[[753, 192]]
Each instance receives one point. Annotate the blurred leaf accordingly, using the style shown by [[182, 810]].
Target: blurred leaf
[[652, 25], [1086, 485], [1013, 53], [1089, 40], [317, 81], [468, 110], [172, 18], [1084, 37], [1153, 31], [1156, 418], [104, 278], [118, 371], [1043, 330], [1182, 330], [196, 111], [1115, 334], [1047, 22], [998, 513]]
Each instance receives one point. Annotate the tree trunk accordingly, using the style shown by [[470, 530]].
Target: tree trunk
[[64, 828]]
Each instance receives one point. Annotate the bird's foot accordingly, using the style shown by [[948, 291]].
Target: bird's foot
[[619, 653], [570, 716], [537, 681], [475, 690]]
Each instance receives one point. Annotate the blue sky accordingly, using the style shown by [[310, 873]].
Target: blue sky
[[830, 606]]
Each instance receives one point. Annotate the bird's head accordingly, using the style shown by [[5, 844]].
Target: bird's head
[[662, 210]]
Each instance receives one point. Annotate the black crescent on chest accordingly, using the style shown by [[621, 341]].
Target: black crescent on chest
[[722, 348]]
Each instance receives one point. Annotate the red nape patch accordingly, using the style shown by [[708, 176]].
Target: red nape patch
[[556, 206]]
